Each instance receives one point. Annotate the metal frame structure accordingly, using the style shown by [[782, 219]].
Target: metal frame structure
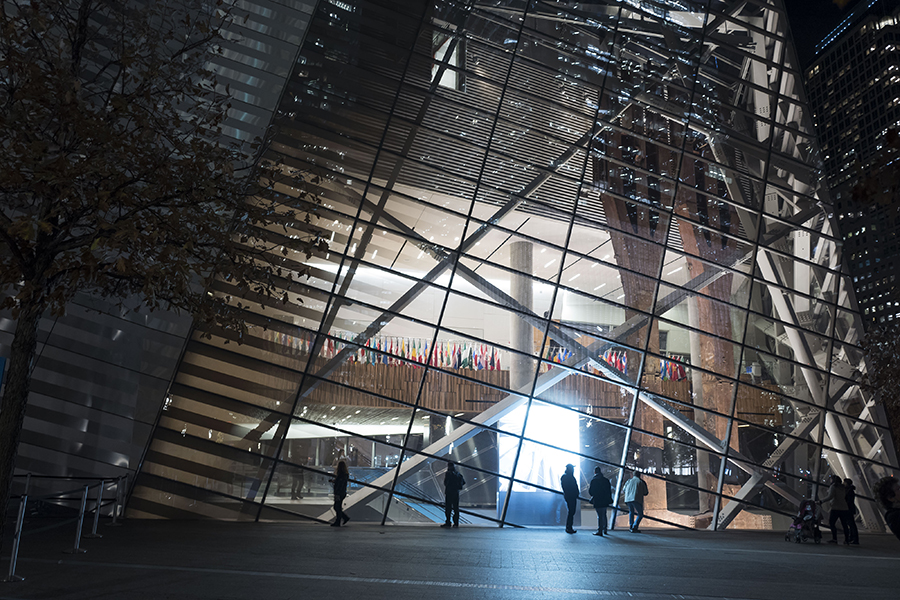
[[675, 132]]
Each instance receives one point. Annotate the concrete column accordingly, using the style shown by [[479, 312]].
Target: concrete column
[[697, 389], [802, 272], [521, 288]]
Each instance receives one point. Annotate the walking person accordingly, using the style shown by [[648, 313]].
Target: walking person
[[851, 507], [635, 489], [341, 478], [887, 495], [570, 493], [601, 497], [453, 483], [837, 495]]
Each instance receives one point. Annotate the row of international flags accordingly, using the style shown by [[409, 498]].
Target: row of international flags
[[450, 355], [399, 351], [617, 359], [672, 371], [669, 370]]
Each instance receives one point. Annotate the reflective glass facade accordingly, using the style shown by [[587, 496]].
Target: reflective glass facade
[[590, 233], [102, 372]]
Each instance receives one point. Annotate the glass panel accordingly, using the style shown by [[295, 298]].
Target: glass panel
[[787, 376], [207, 465], [715, 354], [301, 490], [698, 277], [466, 393], [589, 395], [681, 481], [205, 415], [423, 491], [162, 497], [769, 505], [712, 242]]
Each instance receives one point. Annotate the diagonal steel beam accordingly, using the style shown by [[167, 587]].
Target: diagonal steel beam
[[763, 478]]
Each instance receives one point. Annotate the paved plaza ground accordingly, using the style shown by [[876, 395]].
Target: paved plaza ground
[[170, 560]]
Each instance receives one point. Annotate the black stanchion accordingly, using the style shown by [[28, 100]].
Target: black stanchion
[[18, 536], [93, 534], [78, 549]]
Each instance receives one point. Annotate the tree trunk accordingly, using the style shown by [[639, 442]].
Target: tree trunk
[[15, 398]]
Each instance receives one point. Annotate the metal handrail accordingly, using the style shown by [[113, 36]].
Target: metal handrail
[[98, 505]]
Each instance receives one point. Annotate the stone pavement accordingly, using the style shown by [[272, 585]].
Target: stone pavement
[[176, 560]]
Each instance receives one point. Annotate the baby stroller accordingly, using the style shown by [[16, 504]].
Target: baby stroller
[[806, 524]]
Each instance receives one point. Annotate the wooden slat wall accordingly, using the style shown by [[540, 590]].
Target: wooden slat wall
[[447, 393]]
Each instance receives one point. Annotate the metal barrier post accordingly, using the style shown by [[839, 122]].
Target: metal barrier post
[[93, 534], [15, 549], [77, 549], [118, 505]]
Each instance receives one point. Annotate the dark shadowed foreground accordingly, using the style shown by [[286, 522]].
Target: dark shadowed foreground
[[179, 560]]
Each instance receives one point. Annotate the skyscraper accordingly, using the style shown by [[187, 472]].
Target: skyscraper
[[590, 233], [855, 97]]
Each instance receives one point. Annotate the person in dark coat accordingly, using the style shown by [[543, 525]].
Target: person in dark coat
[[453, 483], [851, 507], [887, 494], [341, 478], [570, 493], [837, 495], [601, 498]]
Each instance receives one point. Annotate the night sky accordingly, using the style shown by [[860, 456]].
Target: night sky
[[812, 20]]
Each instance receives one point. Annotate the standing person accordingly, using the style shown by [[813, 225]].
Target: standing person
[[453, 482], [837, 495], [635, 489], [298, 477], [341, 477], [887, 495], [601, 498], [570, 493], [851, 507]]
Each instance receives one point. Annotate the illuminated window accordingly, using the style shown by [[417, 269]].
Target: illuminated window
[[441, 44]]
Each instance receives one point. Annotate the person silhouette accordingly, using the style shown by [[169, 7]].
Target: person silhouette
[[570, 493], [341, 478], [634, 490], [837, 495], [887, 495], [601, 497], [453, 483]]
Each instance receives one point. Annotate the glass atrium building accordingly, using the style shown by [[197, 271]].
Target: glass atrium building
[[559, 232]]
